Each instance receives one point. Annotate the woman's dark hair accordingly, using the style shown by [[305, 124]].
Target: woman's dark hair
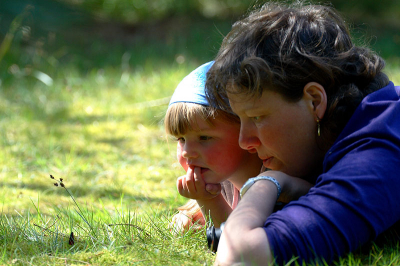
[[282, 48]]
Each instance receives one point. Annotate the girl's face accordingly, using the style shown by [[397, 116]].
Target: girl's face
[[215, 149], [282, 133]]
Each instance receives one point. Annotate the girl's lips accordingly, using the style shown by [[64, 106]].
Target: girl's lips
[[203, 170]]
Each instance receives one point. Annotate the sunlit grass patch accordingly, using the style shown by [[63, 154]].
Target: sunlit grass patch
[[102, 139], [121, 238]]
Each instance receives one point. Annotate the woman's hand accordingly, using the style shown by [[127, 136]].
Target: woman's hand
[[292, 187], [192, 186], [251, 245]]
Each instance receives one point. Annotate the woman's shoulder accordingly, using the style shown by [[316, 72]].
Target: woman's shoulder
[[377, 109], [389, 92], [374, 125]]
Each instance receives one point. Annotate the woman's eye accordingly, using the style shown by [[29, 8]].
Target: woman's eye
[[255, 118]]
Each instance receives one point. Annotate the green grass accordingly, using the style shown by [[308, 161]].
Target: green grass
[[114, 158], [96, 122], [88, 108]]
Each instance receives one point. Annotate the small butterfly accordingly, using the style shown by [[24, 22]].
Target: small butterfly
[[71, 239]]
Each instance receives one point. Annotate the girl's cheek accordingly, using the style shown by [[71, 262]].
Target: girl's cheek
[[181, 160]]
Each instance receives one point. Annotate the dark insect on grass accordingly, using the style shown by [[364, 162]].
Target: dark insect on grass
[[71, 240]]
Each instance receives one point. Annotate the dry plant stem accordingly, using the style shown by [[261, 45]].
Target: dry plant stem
[[46, 229], [58, 218], [137, 227], [80, 213], [89, 235]]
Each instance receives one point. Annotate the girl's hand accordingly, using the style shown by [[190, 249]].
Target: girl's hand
[[292, 187], [183, 221], [193, 186]]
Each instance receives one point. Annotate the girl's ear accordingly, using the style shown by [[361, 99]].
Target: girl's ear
[[316, 96]]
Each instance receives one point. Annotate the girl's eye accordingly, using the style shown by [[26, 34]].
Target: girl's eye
[[255, 118], [205, 138], [181, 139]]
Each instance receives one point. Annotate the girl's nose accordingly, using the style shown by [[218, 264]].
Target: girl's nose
[[248, 139], [189, 151]]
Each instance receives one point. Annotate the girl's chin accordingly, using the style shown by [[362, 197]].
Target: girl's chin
[[212, 180]]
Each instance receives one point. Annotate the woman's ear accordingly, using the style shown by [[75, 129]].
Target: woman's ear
[[316, 95]]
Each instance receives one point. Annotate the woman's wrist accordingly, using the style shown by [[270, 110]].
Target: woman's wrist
[[292, 188], [253, 180], [255, 207]]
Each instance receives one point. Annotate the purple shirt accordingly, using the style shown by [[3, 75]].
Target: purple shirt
[[357, 196]]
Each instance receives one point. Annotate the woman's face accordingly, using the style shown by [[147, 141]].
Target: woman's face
[[282, 133]]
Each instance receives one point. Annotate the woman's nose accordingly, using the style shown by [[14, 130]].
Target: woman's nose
[[248, 139]]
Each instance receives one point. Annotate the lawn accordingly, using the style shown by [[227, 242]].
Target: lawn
[[86, 106]]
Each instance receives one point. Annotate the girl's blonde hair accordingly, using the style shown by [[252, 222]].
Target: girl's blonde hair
[[181, 117]]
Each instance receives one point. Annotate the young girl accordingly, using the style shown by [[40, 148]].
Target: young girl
[[208, 150], [315, 107]]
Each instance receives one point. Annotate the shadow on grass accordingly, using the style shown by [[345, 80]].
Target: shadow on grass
[[80, 191], [58, 115], [89, 119]]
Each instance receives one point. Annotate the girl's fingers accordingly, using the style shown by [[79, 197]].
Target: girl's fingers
[[198, 179], [192, 185], [190, 181], [179, 184], [184, 185], [213, 189]]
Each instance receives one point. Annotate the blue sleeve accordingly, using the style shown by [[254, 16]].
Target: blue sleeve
[[354, 200]]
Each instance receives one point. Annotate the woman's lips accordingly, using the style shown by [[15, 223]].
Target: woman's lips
[[267, 162], [252, 151]]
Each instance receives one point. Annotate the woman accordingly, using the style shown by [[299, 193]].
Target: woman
[[317, 110]]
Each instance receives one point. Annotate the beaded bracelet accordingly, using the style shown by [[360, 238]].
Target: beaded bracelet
[[252, 180]]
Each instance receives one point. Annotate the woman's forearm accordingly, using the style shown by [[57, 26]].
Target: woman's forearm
[[243, 238]]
